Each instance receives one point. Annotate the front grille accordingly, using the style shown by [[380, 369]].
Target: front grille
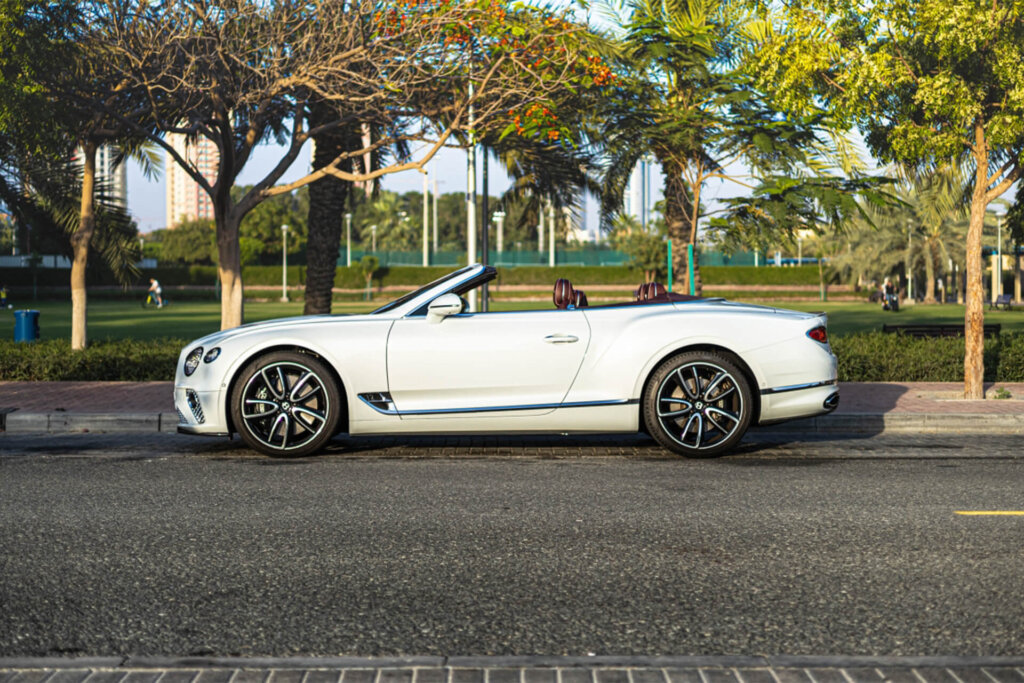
[[195, 406], [181, 418]]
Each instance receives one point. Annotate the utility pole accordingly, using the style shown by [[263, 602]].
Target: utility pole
[[426, 215], [348, 239], [485, 245], [435, 214], [284, 264], [471, 199], [551, 235]]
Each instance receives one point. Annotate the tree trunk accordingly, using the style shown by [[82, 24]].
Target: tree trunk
[[327, 199], [929, 274], [678, 217], [80, 248], [229, 268], [1019, 261], [974, 317]]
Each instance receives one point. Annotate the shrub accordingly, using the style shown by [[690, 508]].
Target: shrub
[[879, 357], [122, 360]]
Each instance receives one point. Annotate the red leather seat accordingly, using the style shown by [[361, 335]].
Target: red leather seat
[[564, 295], [581, 299]]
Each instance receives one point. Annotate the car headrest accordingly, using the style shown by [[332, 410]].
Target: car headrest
[[581, 299], [563, 295], [650, 290]]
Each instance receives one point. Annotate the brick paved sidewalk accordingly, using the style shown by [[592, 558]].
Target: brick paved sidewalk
[[875, 398]]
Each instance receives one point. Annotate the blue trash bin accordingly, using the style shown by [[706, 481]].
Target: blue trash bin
[[26, 326]]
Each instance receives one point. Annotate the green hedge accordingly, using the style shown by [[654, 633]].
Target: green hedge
[[878, 357], [414, 276], [122, 360], [871, 357]]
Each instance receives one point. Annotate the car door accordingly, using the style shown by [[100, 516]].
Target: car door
[[476, 362]]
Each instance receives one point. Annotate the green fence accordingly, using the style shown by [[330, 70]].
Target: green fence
[[563, 257]]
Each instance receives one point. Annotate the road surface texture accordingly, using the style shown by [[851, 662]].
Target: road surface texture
[[163, 545]]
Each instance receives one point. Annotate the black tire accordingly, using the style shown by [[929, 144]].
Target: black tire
[[292, 405], [705, 404]]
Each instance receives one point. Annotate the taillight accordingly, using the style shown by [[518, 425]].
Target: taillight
[[818, 334]]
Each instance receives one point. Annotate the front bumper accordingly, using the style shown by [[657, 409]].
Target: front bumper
[[199, 412]]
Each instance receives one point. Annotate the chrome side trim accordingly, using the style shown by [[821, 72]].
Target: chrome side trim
[[798, 387], [390, 410]]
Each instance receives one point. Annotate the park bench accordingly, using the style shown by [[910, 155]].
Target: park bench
[[1004, 300], [937, 330]]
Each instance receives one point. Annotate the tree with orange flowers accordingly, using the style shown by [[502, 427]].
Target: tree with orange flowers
[[241, 72]]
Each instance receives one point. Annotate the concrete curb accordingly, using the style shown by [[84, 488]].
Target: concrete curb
[[521, 661], [838, 424], [65, 422]]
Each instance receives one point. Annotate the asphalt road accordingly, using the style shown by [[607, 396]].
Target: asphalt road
[[168, 545]]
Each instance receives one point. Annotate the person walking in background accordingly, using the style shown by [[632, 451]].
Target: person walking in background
[[3, 297], [155, 292]]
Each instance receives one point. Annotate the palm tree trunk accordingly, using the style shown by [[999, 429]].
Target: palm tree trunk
[[80, 248], [679, 217], [327, 200], [929, 274]]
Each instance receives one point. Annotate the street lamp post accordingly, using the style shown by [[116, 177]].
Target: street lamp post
[[499, 216], [373, 238], [284, 264], [348, 239], [426, 218]]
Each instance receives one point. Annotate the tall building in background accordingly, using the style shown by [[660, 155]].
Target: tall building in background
[[185, 199]]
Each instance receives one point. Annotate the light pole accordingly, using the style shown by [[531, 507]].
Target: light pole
[[373, 239], [348, 239], [426, 217], [284, 264], [499, 216]]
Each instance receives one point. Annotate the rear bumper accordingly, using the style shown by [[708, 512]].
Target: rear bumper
[[791, 403]]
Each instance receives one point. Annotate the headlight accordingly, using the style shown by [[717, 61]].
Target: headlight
[[192, 362], [212, 355]]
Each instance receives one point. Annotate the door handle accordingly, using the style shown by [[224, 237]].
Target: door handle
[[561, 339]]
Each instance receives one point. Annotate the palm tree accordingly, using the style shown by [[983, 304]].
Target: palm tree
[[923, 231], [690, 105]]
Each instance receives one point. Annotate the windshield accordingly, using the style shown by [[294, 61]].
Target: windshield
[[412, 295]]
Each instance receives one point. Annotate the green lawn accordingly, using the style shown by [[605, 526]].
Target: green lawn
[[188, 320]]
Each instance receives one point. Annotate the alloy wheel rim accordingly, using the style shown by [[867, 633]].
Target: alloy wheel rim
[[699, 405], [285, 405]]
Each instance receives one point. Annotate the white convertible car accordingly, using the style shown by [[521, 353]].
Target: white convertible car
[[694, 373]]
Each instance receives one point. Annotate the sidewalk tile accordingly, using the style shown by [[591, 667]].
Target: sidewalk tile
[[576, 676], [215, 676], [612, 676], [540, 676], [325, 676], [254, 676], [73, 676], [684, 676], [359, 676], [648, 676], [467, 676], [503, 675], [105, 677], [287, 676], [1005, 674], [431, 676], [395, 676]]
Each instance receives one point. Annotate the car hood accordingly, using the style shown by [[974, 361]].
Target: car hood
[[263, 326]]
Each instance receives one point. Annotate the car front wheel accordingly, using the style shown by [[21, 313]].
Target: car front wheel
[[286, 404], [698, 404]]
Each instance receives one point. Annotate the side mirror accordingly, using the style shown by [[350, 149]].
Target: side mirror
[[444, 306]]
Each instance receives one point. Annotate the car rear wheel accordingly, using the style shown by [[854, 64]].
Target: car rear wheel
[[286, 404], [698, 404]]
